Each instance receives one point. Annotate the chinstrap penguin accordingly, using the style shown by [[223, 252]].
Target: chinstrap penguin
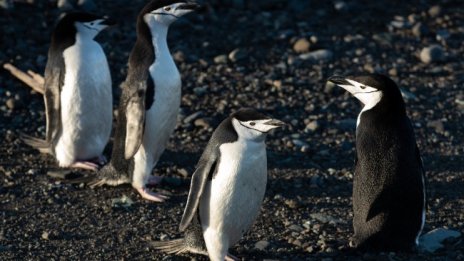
[[149, 103], [78, 96], [389, 196], [227, 187]]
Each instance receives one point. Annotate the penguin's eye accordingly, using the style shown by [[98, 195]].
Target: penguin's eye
[[91, 23], [362, 87], [252, 123], [167, 8]]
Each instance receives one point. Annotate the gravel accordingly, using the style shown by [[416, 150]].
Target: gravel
[[310, 171]]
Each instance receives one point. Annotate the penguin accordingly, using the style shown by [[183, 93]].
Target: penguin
[[227, 187], [389, 197], [149, 103], [78, 96]]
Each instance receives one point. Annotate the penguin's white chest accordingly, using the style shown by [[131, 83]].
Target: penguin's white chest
[[86, 102], [233, 198], [161, 118]]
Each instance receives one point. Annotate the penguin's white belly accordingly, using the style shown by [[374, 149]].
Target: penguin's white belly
[[232, 200], [86, 104]]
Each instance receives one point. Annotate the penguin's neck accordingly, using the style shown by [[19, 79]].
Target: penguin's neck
[[159, 34], [84, 38]]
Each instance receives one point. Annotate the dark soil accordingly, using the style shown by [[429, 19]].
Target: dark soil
[[310, 161]]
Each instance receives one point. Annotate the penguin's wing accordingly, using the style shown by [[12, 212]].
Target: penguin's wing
[[205, 168], [138, 101], [54, 80]]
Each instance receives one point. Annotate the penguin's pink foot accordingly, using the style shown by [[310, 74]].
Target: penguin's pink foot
[[230, 257], [87, 165], [152, 196], [154, 180]]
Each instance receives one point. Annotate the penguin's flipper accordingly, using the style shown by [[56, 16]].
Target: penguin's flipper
[[197, 185], [135, 120], [42, 145], [54, 80]]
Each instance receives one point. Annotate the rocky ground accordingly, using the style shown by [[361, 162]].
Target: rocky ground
[[274, 56]]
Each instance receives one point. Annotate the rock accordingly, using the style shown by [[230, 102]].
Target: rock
[[122, 202], [10, 103], [45, 235], [189, 119], [183, 172], [238, 54], [432, 53], [323, 218], [301, 45], [59, 173], [261, 245], [295, 228], [341, 6], [220, 59], [434, 11], [6, 4], [87, 5], [442, 35], [419, 30], [322, 55], [312, 126], [202, 122], [407, 95], [432, 241], [437, 125], [65, 5]]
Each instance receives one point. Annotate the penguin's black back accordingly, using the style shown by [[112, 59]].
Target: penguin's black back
[[388, 194]]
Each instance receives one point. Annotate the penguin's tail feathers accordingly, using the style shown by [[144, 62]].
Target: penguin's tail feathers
[[176, 246], [42, 145]]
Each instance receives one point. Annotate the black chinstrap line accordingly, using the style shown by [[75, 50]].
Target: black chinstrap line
[[365, 92], [167, 14], [90, 28], [265, 132]]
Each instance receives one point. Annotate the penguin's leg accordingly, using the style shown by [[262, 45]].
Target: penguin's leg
[[143, 165]]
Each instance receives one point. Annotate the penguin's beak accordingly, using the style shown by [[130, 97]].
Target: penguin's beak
[[275, 123], [191, 6], [108, 21], [339, 80]]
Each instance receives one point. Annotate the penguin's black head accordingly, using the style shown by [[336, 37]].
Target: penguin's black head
[[164, 12], [80, 23], [251, 124], [369, 89]]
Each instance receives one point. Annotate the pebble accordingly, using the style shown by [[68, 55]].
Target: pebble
[[202, 122], [59, 173], [295, 228], [220, 59], [341, 6], [431, 54], [312, 126], [437, 125], [419, 30], [45, 235], [434, 11], [261, 245], [238, 54], [183, 172], [10, 103], [301, 45], [192, 117], [433, 240], [322, 55]]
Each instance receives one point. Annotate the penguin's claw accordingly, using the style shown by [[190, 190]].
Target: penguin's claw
[[230, 257], [102, 160], [87, 165], [154, 180], [152, 196]]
